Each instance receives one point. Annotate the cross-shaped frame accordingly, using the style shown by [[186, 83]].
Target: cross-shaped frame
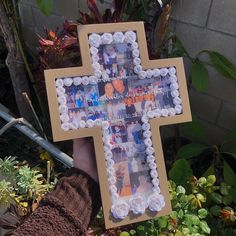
[[121, 98]]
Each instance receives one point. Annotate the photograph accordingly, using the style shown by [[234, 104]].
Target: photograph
[[77, 114], [119, 152], [116, 109], [122, 179], [118, 132], [141, 182], [116, 60], [138, 162], [91, 95], [162, 93], [115, 89], [97, 112]]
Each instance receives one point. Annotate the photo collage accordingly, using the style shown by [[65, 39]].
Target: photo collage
[[122, 101]]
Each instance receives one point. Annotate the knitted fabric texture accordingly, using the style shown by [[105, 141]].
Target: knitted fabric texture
[[67, 210]]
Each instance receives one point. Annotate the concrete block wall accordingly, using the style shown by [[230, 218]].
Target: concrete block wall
[[200, 24]]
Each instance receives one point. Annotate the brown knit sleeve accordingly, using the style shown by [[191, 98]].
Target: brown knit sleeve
[[67, 210]]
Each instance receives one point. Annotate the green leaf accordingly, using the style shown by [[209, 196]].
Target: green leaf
[[191, 150], [227, 200], [202, 213], [178, 49], [45, 6], [205, 228], [124, 233], [216, 198], [199, 76], [141, 230], [162, 221], [180, 172], [194, 128], [222, 64], [211, 179], [215, 210]]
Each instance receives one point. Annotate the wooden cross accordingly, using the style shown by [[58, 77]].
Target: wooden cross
[[121, 98]]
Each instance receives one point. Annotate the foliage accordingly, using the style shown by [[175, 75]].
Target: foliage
[[45, 6], [21, 190], [195, 212]]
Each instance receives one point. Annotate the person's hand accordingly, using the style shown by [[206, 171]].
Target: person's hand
[[84, 156]]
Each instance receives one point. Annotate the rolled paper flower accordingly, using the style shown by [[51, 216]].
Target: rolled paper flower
[[63, 109], [175, 93], [134, 45], [113, 189], [150, 114], [85, 80], [178, 109], [135, 53], [90, 123], [98, 122], [105, 77], [97, 73], [118, 37], [150, 73], [95, 40], [106, 38], [156, 72], [115, 197], [130, 37], [105, 132], [154, 173], [157, 112], [106, 139], [137, 61], [156, 189], [146, 126], [173, 79], [156, 182], [77, 81], [110, 171], [108, 145], [62, 100], [148, 142], [82, 124], [60, 91], [137, 205], [147, 134], [174, 86], [164, 71], [93, 79], [112, 180], [156, 202], [142, 74], [152, 165], [59, 83], [95, 58], [120, 210], [150, 158], [137, 69], [64, 117], [171, 111], [108, 155], [172, 70], [145, 119], [74, 125], [164, 112], [106, 149], [110, 162], [93, 50], [105, 125], [96, 66], [150, 150], [68, 81], [177, 101], [65, 126]]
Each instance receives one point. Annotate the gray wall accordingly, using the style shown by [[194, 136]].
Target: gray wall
[[200, 24]]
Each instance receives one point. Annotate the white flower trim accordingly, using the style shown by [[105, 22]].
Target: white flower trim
[[137, 204], [120, 210], [156, 202]]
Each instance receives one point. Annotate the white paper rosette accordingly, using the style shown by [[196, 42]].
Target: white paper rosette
[[98, 122], [145, 119], [68, 81], [64, 118], [65, 126], [137, 61], [93, 79], [135, 53], [137, 205], [74, 125], [118, 37], [63, 109], [173, 79], [95, 40], [177, 101], [148, 142], [164, 71], [175, 93], [112, 180], [150, 150], [112, 188], [150, 114], [156, 72], [82, 124], [150, 158], [59, 83], [110, 162], [134, 45], [172, 70], [150, 73], [93, 50], [60, 91], [62, 100], [105, 125], [137, 69], [106, 38], [156, 202], [130, 37], [157, 112], [85, 80], [164, 112], [95, 58], [146, 126], [174, 86], [120, 210], [142, 74], [147, 134], [178, 109], [77, 81], [171, 111], [154, 173]]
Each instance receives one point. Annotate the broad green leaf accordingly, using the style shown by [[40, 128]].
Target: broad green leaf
[[194, 128], [162, 221], [227, 200], [199, 76], [216, 198], [180, 172], [222, 64], [191, 150], [205, 228], [45, 6], [215, 210], [211, 179], [124, 233], [202, 213]]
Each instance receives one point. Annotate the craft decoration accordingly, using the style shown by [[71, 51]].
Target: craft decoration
[[120, 98]]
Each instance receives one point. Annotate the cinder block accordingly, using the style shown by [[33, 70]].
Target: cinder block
[[227, 118], [223, 16], [50, 22], [194, 12], [204, 106], [68, 9], [26, 15]]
